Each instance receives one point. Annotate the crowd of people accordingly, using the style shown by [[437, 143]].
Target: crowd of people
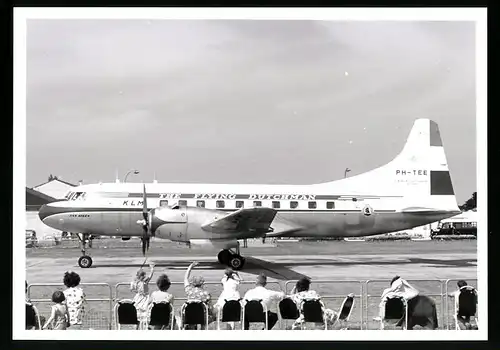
[[68, 309]]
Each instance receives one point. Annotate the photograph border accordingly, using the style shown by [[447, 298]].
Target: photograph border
[[22, 15]]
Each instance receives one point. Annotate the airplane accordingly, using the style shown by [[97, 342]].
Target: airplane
[[412, 190]]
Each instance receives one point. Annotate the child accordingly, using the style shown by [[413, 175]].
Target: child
[[59, 317], [141, 298]]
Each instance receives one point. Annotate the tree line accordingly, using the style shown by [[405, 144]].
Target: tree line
[[470, 203]]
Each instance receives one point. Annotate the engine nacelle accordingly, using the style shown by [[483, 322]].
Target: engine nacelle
[[169, 223]]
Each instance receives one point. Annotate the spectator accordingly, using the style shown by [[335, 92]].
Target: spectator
[[141, 298], [398, 288], [195, 291], [230, 283], [269, 298], [75, 299], [300, 293], [59, 317], [463, 321], [28, 302], [161, 295]]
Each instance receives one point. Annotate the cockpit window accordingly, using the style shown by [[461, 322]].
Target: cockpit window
[[77, 195]]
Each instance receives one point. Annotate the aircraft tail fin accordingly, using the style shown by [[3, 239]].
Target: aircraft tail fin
[[419, 173]]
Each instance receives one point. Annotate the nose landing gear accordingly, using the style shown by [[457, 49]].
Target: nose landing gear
[[84, 261]]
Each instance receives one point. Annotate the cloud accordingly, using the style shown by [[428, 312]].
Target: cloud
[[246, 101]]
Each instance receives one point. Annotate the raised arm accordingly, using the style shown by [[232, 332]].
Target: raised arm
[[188, 273], [237, 277], [152, 271]]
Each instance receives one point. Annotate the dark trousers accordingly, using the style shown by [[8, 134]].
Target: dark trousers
[[272, 318]]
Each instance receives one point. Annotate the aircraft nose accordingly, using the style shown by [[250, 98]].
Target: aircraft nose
[[45, 210]]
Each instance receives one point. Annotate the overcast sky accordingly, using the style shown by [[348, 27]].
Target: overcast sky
[[244, 101]]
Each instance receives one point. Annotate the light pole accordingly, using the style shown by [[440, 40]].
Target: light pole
[[129, 172], [346, 171]]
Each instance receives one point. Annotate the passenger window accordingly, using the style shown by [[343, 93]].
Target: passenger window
[[330, 205], [257, 203], [276, 204], [200, 204], [239, 204], [312, 205], [183, 202], [220, 204], [163, 203], [294, 204]]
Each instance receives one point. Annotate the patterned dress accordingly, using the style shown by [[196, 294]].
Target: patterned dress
[[141, 299], [75, 301], [199, 294]]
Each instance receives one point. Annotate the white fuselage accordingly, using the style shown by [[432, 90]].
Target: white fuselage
[[302, 211], [414, 189]]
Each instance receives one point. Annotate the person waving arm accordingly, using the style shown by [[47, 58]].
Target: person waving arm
[[188, 273]]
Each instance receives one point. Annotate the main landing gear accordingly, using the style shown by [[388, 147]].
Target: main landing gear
[[84, 261], [233, 260]]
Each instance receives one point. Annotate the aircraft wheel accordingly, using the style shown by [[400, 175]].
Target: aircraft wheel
[[224, 257], [85, 262], [236, 262]]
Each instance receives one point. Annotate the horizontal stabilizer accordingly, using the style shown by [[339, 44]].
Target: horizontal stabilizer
[[424, 210], [244, 220]]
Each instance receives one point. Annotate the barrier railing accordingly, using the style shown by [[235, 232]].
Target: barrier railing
[[428, 287], [450, 299], [177, 288], [46, 298], [364, 292], [357, 285], [122, 290]]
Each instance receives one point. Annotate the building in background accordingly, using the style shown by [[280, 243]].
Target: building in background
[[34, 200], [55, 188]]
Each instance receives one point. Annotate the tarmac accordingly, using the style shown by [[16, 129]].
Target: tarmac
[[335, 268], [285, 261]]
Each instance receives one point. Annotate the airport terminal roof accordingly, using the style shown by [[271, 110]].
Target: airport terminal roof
[[62, 181], [35, 199]]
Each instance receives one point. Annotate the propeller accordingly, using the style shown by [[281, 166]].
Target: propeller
[[146, 225]]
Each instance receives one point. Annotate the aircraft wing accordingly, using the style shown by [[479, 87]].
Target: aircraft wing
[[256, 220]]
